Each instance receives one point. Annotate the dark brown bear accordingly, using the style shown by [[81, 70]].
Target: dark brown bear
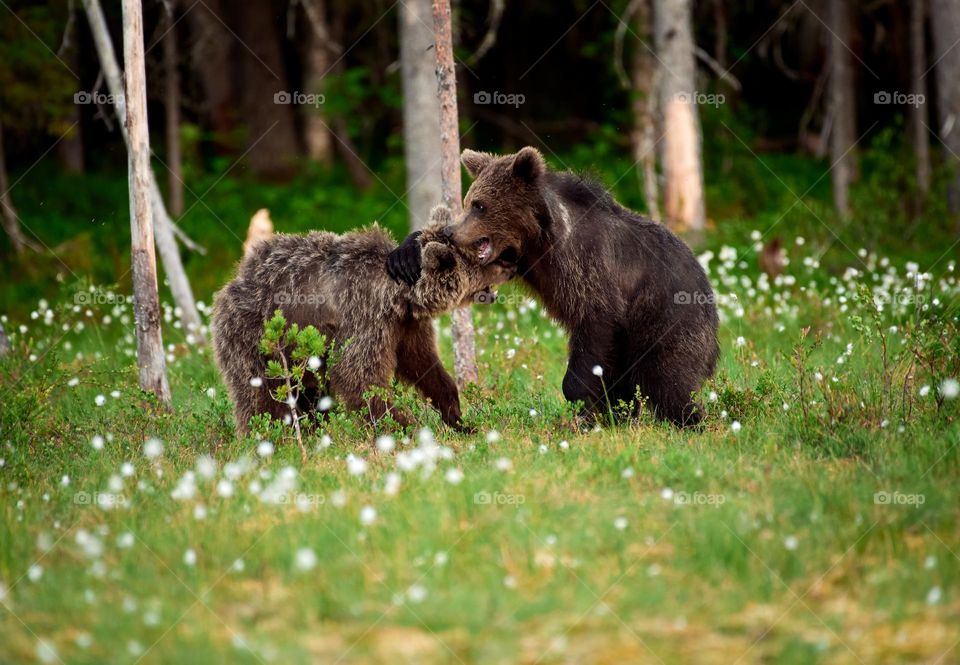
[[637, 304], [338, 284]]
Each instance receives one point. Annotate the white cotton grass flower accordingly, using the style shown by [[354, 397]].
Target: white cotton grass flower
[[99, 400], [493, 436], [224, 488], [265, 449], [386, 443], [256, 382], [97, 442], [735, 426], [305, 559], [46, 652], [924, 391], [950, 388], [934, 595], [597, 370], [503, 464], [620, 523], [791, 543], [314, 363], [190, 558], [153, 448], [417, 593], [356, 466], [211, 392], [454, 476], [368, 515], [325, 403]]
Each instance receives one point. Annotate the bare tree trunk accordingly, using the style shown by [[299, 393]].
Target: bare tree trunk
[[319, 51], [720, 40], [918, 112], [945, 21], [11, 223], [843, 134], [464, 349], [163, 226], [644, 84], [682, 143], [70, 146], [146, 299], [171, 107], [271, 135], [210, 59], [421, 112]]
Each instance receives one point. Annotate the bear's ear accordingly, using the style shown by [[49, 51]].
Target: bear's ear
[[440, 215], [528, 164], [438, 258], [475, 161]]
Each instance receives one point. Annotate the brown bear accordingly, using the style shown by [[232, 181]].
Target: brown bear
[[636, 302], [338, 284]]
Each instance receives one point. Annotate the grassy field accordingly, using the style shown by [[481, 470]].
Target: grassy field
[[813, 520]]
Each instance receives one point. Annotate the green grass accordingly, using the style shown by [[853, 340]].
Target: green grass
[[824, 532]]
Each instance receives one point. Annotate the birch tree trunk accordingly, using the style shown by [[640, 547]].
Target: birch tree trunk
[[317, 62], [843, 133], [171, 107], [146, 299], [945, 21], [464, 351], [421, 112], [682, 143], [644, 84], [11, 223], [918, 112], [162, 224]]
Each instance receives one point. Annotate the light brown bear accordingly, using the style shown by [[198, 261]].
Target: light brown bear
[[338, 284]]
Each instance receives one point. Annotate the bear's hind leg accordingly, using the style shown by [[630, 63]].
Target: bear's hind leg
[[668, 388]]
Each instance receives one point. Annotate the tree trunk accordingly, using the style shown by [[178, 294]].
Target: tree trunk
[[317, 63], [843, 134], [70, 147], [643, 136], [146, 299], [162, 224], [721, 35], [945, 21], [271, 135], [171, 107], [682, 143], [918, 111], [464, 350], [421, 111], [211, 59], [11, 223]]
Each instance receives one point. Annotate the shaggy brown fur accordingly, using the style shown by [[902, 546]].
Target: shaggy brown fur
[[338, 284], [636, 302]]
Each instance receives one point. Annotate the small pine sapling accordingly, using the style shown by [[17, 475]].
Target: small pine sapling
[[294, 354]]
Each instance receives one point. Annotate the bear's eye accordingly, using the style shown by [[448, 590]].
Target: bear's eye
[[476, 205]]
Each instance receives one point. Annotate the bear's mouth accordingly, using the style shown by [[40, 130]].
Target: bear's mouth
[[484, 249]]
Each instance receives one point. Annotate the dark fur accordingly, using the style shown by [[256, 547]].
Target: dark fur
[[338, 284], [631, 294]]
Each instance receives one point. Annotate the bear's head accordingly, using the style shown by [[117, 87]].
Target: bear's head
[[452, 277], [504, 213]]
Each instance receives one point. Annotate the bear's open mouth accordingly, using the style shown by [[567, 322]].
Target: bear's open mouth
[[484, 249], [485, 296]]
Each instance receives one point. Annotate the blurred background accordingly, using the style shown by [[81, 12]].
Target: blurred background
[[758, 123]]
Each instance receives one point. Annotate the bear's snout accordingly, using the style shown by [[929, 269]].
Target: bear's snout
[[448, 231]]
